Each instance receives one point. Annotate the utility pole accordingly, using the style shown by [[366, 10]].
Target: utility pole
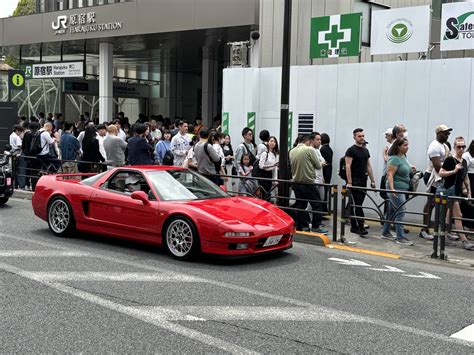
[[284, 106]]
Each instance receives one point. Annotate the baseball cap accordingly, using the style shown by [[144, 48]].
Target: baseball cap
[[132, 180], [388, 131], [442, 128]]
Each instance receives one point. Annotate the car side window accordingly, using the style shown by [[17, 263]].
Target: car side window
[[128, 182]]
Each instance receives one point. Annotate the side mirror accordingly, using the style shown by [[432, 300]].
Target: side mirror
[[223, 188], [140, 196]]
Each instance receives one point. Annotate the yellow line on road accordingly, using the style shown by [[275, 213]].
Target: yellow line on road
[[363, 251]]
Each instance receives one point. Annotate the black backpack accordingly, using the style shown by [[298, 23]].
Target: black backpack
[[342, 168], [35, 146], [168, 159]]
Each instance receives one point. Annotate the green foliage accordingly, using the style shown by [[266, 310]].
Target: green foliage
[[25, 7]]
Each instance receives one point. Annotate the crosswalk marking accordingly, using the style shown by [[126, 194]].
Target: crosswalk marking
[[111, 276], [41, 253]]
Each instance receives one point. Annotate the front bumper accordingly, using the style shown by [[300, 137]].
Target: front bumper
[[228, 246]]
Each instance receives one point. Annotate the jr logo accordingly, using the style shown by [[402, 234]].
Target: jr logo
[[60, 23]]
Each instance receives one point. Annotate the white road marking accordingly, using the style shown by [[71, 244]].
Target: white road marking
[[387, 268], [239, 313], [356, 318], [41, 253], [130, 311], [351, 262], [423, 275], [111, 276], [465, 334]]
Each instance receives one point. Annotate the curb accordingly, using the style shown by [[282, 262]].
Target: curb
[[324, 241], [21, 194], [312, 238]]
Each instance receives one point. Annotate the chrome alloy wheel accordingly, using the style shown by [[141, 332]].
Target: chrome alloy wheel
[[179, 237], [59, 216]]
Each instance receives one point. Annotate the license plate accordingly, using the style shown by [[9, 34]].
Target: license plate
[[272, 241], [9, 181]]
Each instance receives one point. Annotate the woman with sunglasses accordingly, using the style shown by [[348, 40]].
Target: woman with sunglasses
[[454, 173]]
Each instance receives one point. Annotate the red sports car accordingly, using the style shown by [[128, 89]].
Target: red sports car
[[169, 206]]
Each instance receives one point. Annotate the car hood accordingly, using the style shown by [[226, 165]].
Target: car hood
[[238, 210]]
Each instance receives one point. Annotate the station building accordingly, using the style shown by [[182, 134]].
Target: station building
[[167, 56]]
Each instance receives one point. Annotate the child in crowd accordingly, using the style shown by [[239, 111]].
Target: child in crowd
[[245, 170]]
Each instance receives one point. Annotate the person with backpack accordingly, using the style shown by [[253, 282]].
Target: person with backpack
[[357, 168], [208, 161], [162, 150], [43, 143], [246, 147], [32, 164]]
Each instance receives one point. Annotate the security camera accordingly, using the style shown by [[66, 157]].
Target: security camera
[[255, 35]]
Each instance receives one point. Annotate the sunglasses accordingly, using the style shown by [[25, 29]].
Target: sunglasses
[[461, 146]]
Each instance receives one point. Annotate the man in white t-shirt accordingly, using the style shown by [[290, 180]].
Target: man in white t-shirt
[[180, 144], [437, 152], [15, 140]]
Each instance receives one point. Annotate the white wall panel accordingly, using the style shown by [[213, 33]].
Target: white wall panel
[[369, 110], [393, 90], [416, 111], [325, 97], [450, 94]]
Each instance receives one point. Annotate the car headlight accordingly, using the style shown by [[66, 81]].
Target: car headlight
[[238, 234]]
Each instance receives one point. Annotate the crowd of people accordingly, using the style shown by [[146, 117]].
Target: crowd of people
[[84, 146]]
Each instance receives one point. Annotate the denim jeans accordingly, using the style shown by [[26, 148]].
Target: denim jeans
[[395, 212]]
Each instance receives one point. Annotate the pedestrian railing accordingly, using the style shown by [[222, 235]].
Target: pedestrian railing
[[445, 222], [27, 170], [383, 211]]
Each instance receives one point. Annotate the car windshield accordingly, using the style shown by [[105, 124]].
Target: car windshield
[[172, 185]]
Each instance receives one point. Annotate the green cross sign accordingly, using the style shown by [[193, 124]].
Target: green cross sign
[[334, 36]]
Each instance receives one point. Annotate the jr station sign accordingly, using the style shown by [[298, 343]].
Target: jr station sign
[[82, 23]]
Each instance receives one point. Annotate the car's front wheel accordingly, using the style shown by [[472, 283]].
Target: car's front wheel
[[60, 217], [181, 238], [3, 200]]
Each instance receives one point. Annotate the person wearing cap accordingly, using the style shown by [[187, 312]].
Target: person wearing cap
[[437, 152], [139, 150], [132, 183]]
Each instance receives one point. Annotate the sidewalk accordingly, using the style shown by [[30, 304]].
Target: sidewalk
[[373, 244]]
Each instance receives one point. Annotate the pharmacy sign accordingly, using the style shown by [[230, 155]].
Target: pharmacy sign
[[335, 36]]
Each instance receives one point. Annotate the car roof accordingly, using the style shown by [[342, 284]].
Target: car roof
[[145, 168]]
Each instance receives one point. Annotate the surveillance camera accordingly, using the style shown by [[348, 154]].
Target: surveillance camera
[[255, 35]]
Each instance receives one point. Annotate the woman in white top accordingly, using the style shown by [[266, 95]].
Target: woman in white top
[[262, 147], [468, 156], [217, 141], [268, 163]]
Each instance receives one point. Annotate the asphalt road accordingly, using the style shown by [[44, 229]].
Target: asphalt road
[[96, 295]]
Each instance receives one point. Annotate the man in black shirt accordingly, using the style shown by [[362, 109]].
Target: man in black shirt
[[358, 167], [327, 154]]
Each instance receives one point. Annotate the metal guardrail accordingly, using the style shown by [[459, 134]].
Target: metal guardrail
[[378, 208]]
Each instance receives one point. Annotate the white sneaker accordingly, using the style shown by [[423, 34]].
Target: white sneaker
[[424, 234]]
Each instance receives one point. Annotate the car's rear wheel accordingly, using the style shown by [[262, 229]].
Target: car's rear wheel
[[60, 217], [3, 200], [181, 238]]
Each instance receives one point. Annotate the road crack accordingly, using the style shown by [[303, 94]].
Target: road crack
[[322, 348]]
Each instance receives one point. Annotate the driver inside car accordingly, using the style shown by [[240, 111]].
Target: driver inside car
[[132, 184]]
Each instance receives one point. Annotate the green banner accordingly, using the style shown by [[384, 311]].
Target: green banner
[[225, 122], [251, 121], [335, 36]]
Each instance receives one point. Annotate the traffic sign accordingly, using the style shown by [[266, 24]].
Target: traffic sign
[[16, 80]]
